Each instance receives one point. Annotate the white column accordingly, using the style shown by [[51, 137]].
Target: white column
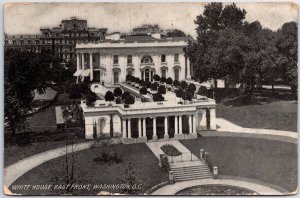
[[213, 125], [144, 127], [194, 123], [188, 73], [91, 67], [180, 124], [176, 124], [140, 127], [190, 124], [166, 126], [154, 128], [129, 128], [124, 129]]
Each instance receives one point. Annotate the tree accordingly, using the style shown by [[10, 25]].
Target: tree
[[169, 81], [143, 91], [188, 95], [156, 77], [176, 83], [163, 79], [157, 97], [25, 72], [109, 96], [154, 87], [130, 179], [74, 91], [129, 100], [179, 93], [128, 77], [125, 94], [118, 92], [202, 91], [162, 89], [176, 33], [148, 84], [287, 46]]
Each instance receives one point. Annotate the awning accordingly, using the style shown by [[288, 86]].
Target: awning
[[77, 73], [86, 72]]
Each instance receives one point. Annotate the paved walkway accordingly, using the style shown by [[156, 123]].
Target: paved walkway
[[227, 126], [16, 170], [172, 189], [186, 159]]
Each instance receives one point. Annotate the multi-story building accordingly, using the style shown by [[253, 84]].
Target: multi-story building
[[107, 63], [61, 39]]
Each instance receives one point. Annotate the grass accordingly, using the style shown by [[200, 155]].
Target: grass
[[87, 171], [273, 162], [44, 120], [277, 111], [15, 153]]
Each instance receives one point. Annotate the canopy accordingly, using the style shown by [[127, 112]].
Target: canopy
[[77, 73], [86, 72]]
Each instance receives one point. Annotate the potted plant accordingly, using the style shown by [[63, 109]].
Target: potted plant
[[162, 89], [156, 77], [176, 83], [109, 96], [179, 93], [163, 80], [169, 82]]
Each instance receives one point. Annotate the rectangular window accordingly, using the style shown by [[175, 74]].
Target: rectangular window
[[116, 59], [176, 58], [163, 73], [116, 77], [163, 58], [129, 59]]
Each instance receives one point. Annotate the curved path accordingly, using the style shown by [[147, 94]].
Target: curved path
[[16, 170], [227, 126], [172, 189]]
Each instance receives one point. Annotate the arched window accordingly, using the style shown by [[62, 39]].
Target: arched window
[[176, 71], [147, 76], [147, 59]]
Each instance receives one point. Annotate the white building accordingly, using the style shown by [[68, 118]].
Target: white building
[[107, 63]]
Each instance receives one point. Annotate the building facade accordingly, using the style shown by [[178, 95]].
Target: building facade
[[62, 39], [110, 61]]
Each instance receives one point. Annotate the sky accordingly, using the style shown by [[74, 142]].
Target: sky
[[25, 18]]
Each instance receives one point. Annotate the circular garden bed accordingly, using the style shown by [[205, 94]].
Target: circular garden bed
[[170, 150], [216, 190]]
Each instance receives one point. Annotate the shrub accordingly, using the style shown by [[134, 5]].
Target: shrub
[[118, 92], [176, 83], [202, 91], [142, 83], [156, 77], [137, 80], [169, 81], [153, 87], [148, 84], [189, 95], [143, 91], [118, 100], [162, 89], [129, 100], [90, 97], [109, 96], [163, 79], [192, 87], [183, 85], [158, 97], [124, 95], [128, 77], [179, 93]]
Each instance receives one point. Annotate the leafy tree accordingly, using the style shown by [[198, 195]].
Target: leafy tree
[[162, 89], [148, 84], [188, 95], [183, 85], [128, 77], [156, 77], [287, 46], [169, 81], [125, 94], [176, 33], [129, 100], [137, 80], [176, 83], [202, 91], [157, 97], [109, 96], [154, 87], [118, 92], [143, 91]]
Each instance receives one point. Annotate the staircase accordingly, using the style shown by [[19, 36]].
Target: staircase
[[191, 172]]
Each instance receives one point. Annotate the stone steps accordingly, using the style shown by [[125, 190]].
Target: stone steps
[[191, 172]]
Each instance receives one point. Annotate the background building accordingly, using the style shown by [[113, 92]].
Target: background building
[[61, 39]]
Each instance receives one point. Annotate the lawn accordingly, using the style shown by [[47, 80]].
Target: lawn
[[87, 171], [44, 120], [15, 153], [273, 162], [270, 112]]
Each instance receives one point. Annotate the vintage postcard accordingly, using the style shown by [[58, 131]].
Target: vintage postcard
[[169, 98]]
